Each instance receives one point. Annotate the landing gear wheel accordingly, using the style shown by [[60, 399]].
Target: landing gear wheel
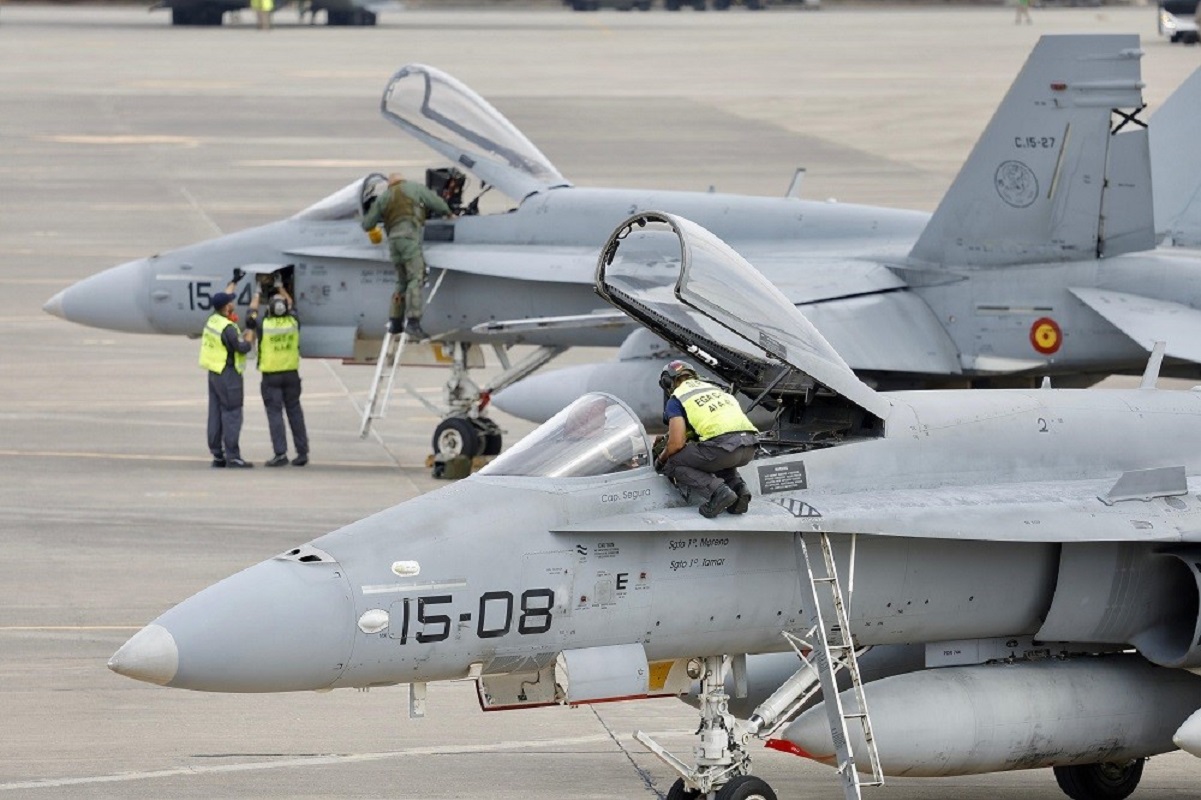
[[1100, 781], [746, 787], [490, 436], [678, 792], [456, 436]]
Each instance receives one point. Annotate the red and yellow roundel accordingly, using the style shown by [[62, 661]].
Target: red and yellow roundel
[[1045, 335]]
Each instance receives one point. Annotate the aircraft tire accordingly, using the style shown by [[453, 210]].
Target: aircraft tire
[[1100, 781], [746, 787], [456, 436], [678, 792], [490, 435]]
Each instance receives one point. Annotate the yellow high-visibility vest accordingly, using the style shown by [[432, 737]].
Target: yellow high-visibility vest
[[279, 347], [213, 354], [710, 410]]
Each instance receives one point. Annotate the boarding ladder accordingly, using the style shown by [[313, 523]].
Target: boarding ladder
[[376, 407], [832, 648]]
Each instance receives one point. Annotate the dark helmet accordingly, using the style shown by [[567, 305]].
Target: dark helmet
[[673, 371]]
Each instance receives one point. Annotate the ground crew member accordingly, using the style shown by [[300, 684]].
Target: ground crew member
[[223, 350], [262, 10], [725, 439], [279, 362], [402, 208]]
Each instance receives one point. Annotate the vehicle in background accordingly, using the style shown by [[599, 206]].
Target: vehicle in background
[[337, 12], [1178, 20], [676, 5]]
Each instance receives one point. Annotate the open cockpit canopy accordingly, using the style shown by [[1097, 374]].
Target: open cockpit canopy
[[595, 435], [463, 127], [691, 289]]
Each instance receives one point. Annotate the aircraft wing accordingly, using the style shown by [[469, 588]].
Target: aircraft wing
[[1148, 321], [1043, 512], [814, 277], [515, 262], [886, 332]]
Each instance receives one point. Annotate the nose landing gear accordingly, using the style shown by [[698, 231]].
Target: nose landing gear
[[722, 761]]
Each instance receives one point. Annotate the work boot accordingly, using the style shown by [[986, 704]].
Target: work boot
[[218, 462], [396, 324], [238, 463], [300, 460], [744, 498], [280, 460], [718, 502], [413, 329]]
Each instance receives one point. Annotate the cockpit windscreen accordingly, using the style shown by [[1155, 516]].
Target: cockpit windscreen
[[341, 205], [595, 435]]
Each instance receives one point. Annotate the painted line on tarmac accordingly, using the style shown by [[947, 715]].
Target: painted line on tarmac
[[69, 628], [309, 761], [8, 628], [187, 459]]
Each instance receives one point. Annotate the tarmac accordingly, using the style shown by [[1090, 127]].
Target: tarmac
[[121, 136]]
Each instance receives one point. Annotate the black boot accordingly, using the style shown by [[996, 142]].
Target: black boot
[[413, 329], [744, 498], [396, 324], [718, 502]]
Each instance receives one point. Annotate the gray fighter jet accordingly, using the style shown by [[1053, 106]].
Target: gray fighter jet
[[1012, 313], [1038, 261], [1038, 550]]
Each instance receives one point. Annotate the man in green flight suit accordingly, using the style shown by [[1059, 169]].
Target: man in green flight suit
[[402, 208]]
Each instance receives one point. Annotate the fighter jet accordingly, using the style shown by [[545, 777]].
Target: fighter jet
[[1038, 261], [1002, 297], [1038, 549]]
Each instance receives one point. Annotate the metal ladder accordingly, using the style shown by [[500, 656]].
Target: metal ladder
[[829, 655], [376, 407]]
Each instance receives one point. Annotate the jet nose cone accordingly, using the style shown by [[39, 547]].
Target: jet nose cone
[[115, 299], [282, 625], [151, 656], [55, 305], [1188, 737]]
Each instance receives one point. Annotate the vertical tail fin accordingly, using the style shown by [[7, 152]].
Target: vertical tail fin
[[1034, 187], [1176, 164]]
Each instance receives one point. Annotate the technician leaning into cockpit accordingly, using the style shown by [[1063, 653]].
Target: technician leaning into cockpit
[[726, 440]]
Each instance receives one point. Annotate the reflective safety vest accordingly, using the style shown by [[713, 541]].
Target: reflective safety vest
[[710, 411], [402, 215], [279, 345], [213, 353]]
